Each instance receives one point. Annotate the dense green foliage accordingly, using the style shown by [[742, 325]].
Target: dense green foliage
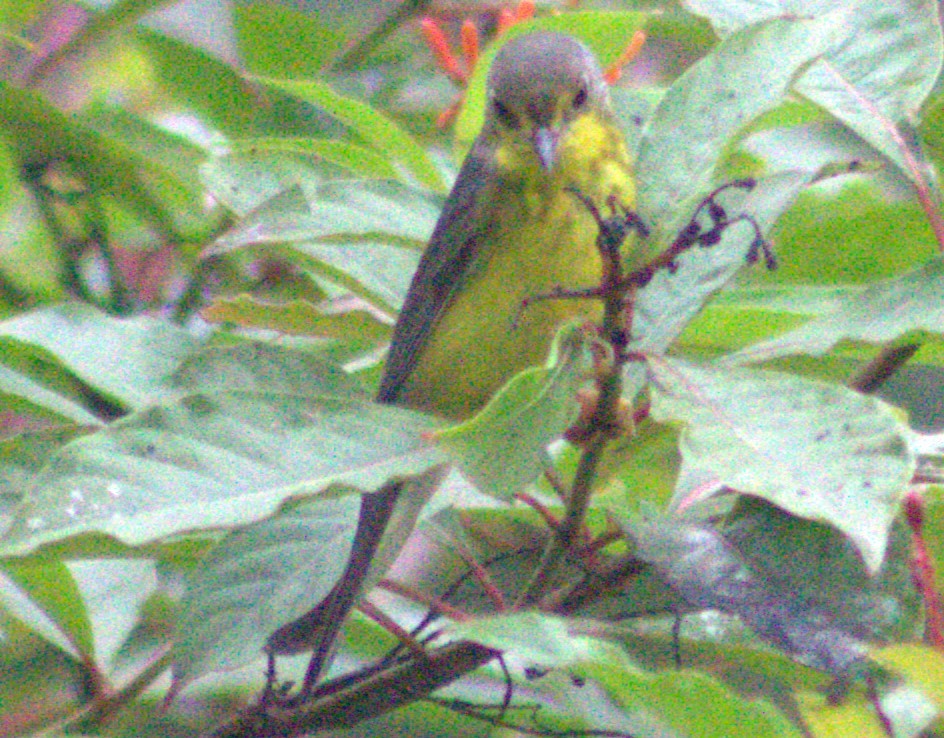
[[200, 261]]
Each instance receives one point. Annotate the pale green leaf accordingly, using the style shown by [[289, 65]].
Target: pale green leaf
[[820, 451], [259, 578], [885, 311]]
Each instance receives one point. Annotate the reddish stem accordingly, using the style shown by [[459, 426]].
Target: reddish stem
[[923, 572]]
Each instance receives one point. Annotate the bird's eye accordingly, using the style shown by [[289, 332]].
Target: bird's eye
[[580, 99], [508, 118]]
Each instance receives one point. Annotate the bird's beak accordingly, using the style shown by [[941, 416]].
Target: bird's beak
[[544, 142]]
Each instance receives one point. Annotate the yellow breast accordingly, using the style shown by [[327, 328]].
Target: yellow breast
[[541, 238]]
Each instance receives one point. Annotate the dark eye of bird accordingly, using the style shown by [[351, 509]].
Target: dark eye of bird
[[504, 114], [580, 99]]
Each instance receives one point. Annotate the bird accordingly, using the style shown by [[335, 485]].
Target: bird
[[511, 229]]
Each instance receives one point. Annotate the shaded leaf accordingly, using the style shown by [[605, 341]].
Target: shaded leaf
[[880, 72], [265, 368], [310, 212], [42, 134], [260, 577], [42, 594], [279, 40], [357, 159], [710, 573], [692, 703]]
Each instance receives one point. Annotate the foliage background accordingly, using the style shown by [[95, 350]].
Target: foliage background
[[209, 214]]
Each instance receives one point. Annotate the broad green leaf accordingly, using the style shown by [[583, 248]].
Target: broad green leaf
[[738, 316], [881, 72], [884, 63], [748, 74], [378, 271], [885, 311], [22, 456], [113, 592], [365, 235], [41, 593], [693, 704], [259, 578], [207, 85], [819, 451], [412, 493], [21, 394], [800, 586], [838, 236], [372, 125], [215, 459], [298, 318], [696, 704], [129, 360], [538, 638], [504, 446]]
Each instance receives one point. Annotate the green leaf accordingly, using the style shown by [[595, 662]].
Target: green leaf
[[113, 592], [203, 83], [748, 74], [260, 577], [538, 638], [23, 395], [281, 41], [298, 318], [819, 451], [889, 310], [504, 446], [799, 585], [302, 212], [693, 704], [880, 72], [365, 235], [41, 133], [212, 459], [882, 67], [41, 593], [373, 126], [129, 360], [357, 159]]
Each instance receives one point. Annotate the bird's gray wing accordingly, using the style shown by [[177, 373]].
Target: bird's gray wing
[[446, 261]]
